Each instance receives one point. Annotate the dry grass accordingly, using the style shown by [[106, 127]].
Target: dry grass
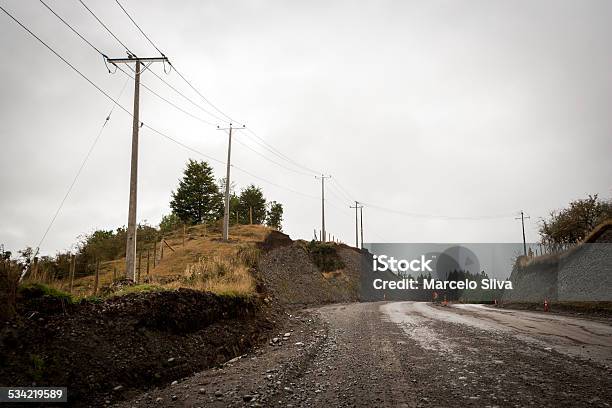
[[222, 275], [198, 260]]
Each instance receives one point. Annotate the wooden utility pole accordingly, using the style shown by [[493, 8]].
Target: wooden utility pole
[[183, 236], [226, 212], [322, 205], [522, 218], [130, 253], [251, 215], [361, 222], [356, 207]]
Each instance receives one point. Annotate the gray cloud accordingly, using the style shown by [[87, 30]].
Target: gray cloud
[[447, 107]]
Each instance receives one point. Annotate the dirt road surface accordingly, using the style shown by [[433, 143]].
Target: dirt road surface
[[408, 354]]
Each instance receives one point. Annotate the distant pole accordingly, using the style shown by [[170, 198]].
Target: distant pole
[[226, 212], [357, 207], [251, 215], [323, 177], [522, 218], [130, 252], [361, 221]]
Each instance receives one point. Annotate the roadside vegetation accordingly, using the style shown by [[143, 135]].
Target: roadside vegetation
[[184, 250], [573, 224]]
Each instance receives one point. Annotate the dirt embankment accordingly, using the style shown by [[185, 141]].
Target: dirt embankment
[[106, 351], [290, 274]]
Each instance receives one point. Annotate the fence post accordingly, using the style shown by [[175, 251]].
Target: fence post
[[114, 273], [139, 268], [154, 254], [97, 278], [161, 248]]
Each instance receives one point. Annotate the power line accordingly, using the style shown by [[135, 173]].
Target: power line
[[187, 98], [436, 216], [275, 184], [343, 190], [280, 154], [138, 27], [81, 167], [167, 101], [124, 72], [339, 193], [272, 161], [229, 118], [106, 28], [73, 30], [202, 96]]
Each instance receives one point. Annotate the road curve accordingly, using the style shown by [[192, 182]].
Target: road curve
[[407, 354]]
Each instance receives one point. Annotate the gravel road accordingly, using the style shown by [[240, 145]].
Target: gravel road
[[407, 354]]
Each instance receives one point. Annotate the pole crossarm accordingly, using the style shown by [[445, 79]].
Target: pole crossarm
[[129, 60]]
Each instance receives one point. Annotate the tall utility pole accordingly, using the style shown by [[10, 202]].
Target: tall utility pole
[[226, 212], [357, 207], [522, 218], [130, 251], [322, 205], [361, 221]]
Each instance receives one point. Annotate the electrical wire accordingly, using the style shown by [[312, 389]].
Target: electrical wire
[[229, 118], [187, 98], [438, 216], [73, 30], [123, 71], [139, 29], [106, 28], [280, 154], [145, 125], [80, 170]]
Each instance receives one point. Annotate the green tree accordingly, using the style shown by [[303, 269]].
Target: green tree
[[573, 224], [169, 223], [274, 218], [234, 209], [251, 199], [197, 198]]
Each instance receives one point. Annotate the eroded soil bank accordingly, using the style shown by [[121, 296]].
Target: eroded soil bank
[[108, 350]]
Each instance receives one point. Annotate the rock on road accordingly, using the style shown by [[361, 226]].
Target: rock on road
[[410, 354]]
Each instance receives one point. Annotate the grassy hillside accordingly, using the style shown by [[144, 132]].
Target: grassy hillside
[[197, 258]]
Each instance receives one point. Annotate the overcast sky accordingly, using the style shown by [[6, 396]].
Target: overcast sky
[[455, 108]]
